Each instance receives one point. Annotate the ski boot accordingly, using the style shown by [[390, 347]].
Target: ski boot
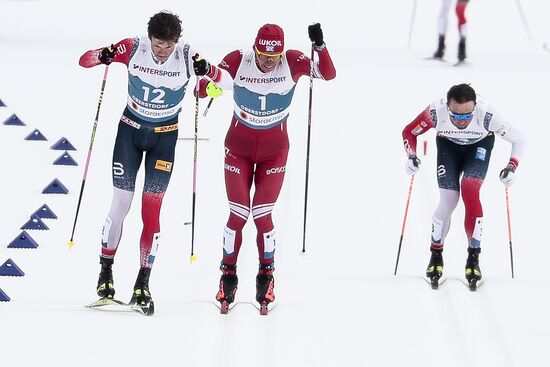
[[105, 282], [473, 273], [228, 287], [440, 48], [141, 297], [462, 50], [264, 287], [435, 267]]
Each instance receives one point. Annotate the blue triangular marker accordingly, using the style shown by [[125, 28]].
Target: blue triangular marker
[[63, 144], [14, 120], [24, 240], [45, 212], [3, 296], [35, 223], [2, 104], [35, 135], [55, 187], [10, 269], [65, 159]]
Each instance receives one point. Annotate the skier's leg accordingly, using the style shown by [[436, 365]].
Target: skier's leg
[[462, 28], [238, 181], [269, 177], [268, 180], [442, 18], [126, 162], [448, 172], [460, 10], [441, 219], [159, 163], [442, 21], [475, 169], [449, 165]]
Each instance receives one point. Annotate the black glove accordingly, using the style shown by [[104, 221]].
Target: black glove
[[201, 66], [107, 55], [315, 34], [507, 174], [413, 164]]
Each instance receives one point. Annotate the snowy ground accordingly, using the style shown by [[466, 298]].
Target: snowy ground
[[338, 305]]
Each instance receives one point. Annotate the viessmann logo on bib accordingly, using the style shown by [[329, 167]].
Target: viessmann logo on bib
[[270, 44]]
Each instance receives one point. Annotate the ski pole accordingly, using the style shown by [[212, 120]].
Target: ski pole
[[204, 139], [509, 231], [71, 243], [196, 138], [403, 226], [308, 145], [524, 20], [413, 15], [208, 107]]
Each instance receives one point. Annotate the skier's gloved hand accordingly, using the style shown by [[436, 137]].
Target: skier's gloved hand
[[413, 164], [213, 91], [315, 34], [507, 174], [200, 66], [107, 55]]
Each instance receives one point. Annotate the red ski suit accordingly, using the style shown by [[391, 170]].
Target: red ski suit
[[257, 151]]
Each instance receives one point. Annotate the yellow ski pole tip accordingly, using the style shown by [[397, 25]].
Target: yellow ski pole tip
[[193, 258], [70, 244]]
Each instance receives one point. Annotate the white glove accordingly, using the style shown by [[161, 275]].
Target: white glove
[[507, 175], [413, 164]]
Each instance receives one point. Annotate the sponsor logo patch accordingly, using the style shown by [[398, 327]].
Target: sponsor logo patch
[[163, 165], [146, 70], [118, 169], [417, 130], [121, 49], [481, 153], [487, 120], [132, 123], [433, 115], [231, 168], [247, 79], [164, 129], [275, 170], [501, 130], [270, 44]]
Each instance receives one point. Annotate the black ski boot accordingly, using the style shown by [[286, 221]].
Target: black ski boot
[[462, 50], [435, 267], [264, 287], [228, 286], [141, 296], [440, 48], [105, 282], [473, 273]]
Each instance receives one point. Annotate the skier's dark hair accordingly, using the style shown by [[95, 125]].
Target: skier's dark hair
[[164, 26], [461, 93]]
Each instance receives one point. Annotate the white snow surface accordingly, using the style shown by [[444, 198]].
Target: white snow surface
[[340, 304]]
